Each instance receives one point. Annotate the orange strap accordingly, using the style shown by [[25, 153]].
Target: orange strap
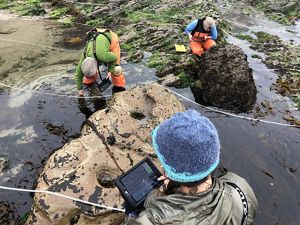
[[90, 80], [115, 46], [198, 36]]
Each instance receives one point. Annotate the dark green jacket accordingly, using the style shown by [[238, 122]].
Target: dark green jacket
[[220, 205], [103, 54]]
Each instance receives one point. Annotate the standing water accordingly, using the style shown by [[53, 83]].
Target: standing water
[[41, 111]]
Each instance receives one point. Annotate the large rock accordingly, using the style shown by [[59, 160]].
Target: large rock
[[225, 80], [85, 169]]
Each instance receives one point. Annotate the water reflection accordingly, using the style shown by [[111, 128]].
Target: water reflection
[[35, 122]]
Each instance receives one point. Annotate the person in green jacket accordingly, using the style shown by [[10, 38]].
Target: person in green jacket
[[188, 148], [104, 48]]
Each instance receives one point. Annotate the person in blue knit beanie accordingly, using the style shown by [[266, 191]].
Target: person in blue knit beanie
[[188, 148], [191, 138]]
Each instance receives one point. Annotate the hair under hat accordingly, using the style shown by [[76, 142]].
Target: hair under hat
[[209, 22], [187, 146], [89, 67]]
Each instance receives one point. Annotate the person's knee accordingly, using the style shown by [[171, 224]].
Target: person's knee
[[196, 49], [209, 44]]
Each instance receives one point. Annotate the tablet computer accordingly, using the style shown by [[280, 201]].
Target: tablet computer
[[139, 181]]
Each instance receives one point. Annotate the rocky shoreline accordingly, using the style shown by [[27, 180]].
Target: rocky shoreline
[[155, 26], [282, 11], [144, 26], [283, 58]]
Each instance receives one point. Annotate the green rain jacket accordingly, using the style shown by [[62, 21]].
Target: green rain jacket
[[221, 205], [102, 53]]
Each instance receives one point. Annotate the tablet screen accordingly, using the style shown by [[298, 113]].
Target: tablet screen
[[140, 182]]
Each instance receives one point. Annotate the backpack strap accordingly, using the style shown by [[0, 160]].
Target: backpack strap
[[104, 34], [84, 52], [244, 201], [95, 56], [199, 27], [92, 36]]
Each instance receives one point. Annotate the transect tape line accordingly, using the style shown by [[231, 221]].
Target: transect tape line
[[43, 46], [206, 107], [63, 196], [59, 95], [233, 115], [64, 49]]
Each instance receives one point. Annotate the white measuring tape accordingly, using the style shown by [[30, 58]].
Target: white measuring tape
[[209, 108], [51, 94], [233, 115], [43, 46], [63, 196]]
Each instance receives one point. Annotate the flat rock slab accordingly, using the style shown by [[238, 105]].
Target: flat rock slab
[[86, 169]]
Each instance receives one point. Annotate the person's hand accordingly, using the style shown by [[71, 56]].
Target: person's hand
[[207, 37], [190, 37], [165, 179], [108, 75], [80, 92]]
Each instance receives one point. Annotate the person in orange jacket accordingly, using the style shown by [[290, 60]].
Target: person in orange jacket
[[202, 35], [102, 47]]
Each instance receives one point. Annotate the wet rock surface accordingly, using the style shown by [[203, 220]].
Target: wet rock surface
[[225, 80], [86, 169], [284, 11], [142, 26], [7, 214], [284, 58]]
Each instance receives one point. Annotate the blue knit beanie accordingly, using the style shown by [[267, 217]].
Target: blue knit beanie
[[187, 146]]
